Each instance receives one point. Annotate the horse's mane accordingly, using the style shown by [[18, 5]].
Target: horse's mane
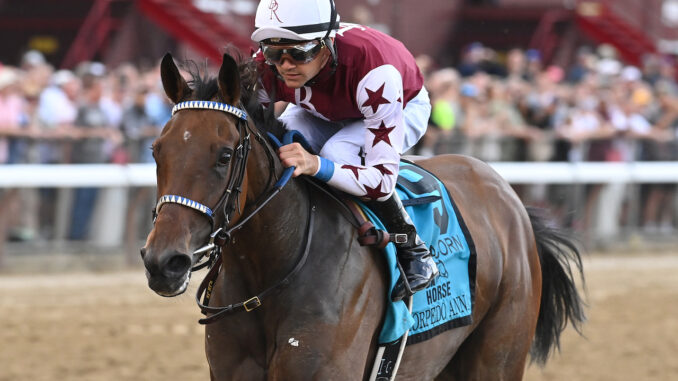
[[206, 87]]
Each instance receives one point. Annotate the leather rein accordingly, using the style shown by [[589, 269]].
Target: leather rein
[[229, 202]]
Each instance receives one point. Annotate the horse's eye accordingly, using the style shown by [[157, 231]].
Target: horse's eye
[[224, 159]]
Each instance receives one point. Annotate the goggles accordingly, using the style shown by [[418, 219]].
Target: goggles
[[301, 53]]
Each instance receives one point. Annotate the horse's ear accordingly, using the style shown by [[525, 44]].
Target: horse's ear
[[174, 84], [229, 80]]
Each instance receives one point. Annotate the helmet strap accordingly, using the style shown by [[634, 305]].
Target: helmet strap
[[333, 20], [329, 44], [328, 41]]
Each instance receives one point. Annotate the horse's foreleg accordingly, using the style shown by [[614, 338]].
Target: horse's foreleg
[[318, 356]]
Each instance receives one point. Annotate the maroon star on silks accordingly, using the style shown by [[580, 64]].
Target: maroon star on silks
[[383, 169], [375, 98], [381, 134], [399, 100], [353, 169], [374, 193]]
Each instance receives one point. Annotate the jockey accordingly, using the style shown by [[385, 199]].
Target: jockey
[[357, 96]]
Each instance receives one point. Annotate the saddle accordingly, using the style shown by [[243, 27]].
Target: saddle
[[368, 234]]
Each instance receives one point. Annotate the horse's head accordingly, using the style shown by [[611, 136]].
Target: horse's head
[[198, 156]]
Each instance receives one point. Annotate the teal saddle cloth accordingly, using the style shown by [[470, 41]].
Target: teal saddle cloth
[[448, 302]]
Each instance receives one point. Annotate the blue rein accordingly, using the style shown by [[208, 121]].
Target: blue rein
[[289, 138]]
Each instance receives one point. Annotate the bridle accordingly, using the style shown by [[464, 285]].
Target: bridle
[[230, 202], [230, 197]]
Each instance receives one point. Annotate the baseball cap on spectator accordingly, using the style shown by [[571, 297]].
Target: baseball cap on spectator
[[33, 58], [474, 52], [62, 77], [608, 67], [608, 64], [607, 51], [533, 55], [442, 80], [630, 74], [469, 90], [474, 45], [95, 69]]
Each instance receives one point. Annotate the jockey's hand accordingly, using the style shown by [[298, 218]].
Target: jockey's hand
[[295, 155]]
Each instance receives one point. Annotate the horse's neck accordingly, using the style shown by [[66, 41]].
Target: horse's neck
[[274, 237]]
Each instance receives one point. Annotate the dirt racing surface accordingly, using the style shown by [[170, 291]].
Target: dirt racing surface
[[110, 326]]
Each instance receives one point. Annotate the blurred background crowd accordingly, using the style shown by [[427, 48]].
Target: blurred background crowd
[[514, 108], [90, 115], [494, 107], [510, 81]]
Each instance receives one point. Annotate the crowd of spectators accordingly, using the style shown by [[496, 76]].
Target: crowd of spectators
[[515, 108], [87, 115], [496, 107]]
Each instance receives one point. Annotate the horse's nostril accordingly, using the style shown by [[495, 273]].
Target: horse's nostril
[[178, 265], [143, 252]]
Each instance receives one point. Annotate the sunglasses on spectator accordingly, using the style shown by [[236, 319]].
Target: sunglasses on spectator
[[300, 53]]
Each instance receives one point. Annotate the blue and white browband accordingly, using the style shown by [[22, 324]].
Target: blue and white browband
[[172, 199], [209, 105]]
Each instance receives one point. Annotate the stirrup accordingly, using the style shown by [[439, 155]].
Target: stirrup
[[408, 291]]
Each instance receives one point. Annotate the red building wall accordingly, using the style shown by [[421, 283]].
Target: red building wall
[[423, 26]]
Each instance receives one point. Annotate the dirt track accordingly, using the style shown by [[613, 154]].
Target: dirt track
[[110, 326]]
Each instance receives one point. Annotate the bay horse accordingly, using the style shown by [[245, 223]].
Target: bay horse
[[324, 296]]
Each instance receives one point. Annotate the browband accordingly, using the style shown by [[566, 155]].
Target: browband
[[209, 105]]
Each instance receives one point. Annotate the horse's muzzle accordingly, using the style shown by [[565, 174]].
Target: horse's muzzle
[[168, 274]]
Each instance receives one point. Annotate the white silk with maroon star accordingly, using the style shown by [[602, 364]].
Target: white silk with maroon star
[[375, 78]]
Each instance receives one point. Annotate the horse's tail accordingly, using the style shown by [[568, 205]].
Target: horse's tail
[[560, 299]]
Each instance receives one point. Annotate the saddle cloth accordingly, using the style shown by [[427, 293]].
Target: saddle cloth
[[448, 302]]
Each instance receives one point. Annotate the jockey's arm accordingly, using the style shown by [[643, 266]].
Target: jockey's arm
[[379, 95]]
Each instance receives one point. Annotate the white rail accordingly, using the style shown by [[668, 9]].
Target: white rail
[[112, 175], [80, 175]]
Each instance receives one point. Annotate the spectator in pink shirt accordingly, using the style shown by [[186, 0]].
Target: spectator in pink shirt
[[12, 111]]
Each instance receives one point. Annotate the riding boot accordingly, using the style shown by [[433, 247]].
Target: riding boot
[[412, 253]]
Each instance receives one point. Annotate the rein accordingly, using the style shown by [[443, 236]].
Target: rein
[[230, 200], [248, 305]]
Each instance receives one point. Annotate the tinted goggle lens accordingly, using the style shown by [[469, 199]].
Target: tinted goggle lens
[[303, 53]]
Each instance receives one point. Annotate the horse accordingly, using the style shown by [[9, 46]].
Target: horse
[[324, 295]]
